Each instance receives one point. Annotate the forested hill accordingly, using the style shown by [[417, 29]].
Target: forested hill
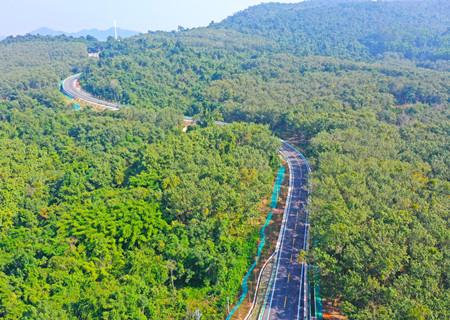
[[352, 29]]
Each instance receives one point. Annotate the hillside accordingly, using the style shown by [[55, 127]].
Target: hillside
[[352, 29], [124, 216]]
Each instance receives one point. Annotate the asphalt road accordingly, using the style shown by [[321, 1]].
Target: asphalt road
[[286, 297], [70, 87]]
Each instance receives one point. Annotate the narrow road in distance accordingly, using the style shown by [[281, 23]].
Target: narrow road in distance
[[71, 87]]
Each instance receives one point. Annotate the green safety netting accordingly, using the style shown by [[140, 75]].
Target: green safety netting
[[319, 307], [61, 86], [317, 301], [262, 242]]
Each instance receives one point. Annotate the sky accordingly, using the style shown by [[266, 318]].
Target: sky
[[22, 16]]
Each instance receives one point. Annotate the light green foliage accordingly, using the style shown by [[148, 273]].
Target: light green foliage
[[32, 68], [121, 215]]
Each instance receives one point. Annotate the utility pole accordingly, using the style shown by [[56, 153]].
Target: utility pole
[[115, 30]]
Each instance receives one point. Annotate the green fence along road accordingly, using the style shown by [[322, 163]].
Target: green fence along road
[[315, 301], [262, 240]]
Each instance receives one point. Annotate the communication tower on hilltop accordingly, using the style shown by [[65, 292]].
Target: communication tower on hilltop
[[115, 30]]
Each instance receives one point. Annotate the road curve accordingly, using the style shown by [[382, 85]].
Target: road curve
[[286, 297], [71, 87]]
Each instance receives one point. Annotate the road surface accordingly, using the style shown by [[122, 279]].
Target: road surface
[[286, 298], [71, 87]]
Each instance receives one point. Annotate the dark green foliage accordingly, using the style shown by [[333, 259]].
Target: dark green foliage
[[363, 30], [379, 211]]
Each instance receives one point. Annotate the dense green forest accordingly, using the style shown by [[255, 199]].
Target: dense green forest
[[33, 66], [363, 30], [121, 215]]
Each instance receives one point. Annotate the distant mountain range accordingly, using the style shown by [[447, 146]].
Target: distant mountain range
[[96, 33]]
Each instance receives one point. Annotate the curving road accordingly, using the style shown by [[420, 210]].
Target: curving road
[[286, 297], [71, 87]]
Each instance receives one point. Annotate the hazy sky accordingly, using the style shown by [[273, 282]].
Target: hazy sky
[[21, 16]]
